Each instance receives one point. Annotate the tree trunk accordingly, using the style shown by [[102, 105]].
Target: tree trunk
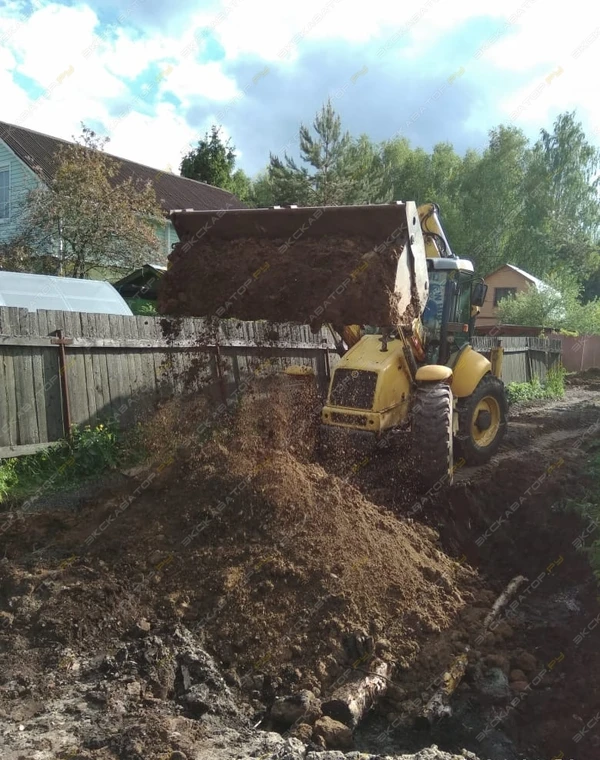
[[352, 701], [439, 704], [504, 599]]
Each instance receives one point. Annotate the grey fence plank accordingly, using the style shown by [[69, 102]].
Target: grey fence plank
[[7, 452], [56, 320], [6, 421], [23, 379], [50, 394], [129, 362], [110, 376], [38, 381], [118, 368], [141, 386], [177, 363], [146, 357], [76, 378], [89, 328], [88, 367], [164, 365], [151, 331]]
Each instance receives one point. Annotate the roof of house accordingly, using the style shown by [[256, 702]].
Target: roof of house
[[40, 291], [38, 151], [539, 284]]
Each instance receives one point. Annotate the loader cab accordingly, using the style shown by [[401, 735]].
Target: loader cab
[[447, 318]]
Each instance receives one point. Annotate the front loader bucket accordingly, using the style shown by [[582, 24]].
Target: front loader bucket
[[338, 264]]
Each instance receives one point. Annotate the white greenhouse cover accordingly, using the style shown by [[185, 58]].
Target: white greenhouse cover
[[40, 291]]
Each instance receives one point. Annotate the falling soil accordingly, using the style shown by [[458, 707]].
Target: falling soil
[[330, 279], [237, 568]]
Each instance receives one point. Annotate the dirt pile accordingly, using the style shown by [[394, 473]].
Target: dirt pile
[[276, 561], [274, 566], [335, 279]]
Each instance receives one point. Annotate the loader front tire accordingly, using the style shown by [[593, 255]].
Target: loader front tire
[[432, 435], [482, 418]]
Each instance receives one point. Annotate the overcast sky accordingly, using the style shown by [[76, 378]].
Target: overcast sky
[[154, 75]]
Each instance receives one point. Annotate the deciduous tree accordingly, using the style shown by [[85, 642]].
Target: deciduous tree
[[87, 217]]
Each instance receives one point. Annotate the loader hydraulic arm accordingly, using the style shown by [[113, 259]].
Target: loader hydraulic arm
[[436, 242]]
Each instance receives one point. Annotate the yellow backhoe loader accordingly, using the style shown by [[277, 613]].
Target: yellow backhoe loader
[[400, 306]]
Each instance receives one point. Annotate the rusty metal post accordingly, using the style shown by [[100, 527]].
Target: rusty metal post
[[220, 374], [61, 342]]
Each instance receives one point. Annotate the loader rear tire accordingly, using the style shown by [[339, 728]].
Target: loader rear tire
[[487, 405], [432, 435]]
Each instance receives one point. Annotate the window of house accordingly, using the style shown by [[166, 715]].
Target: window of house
[[4, 192], [500, 293]]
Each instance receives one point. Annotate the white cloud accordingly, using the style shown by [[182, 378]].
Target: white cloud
[[190, 79], [52, 41], [158, 141], [543, 37], [268, 27], [273, 30], [562, 54], [129, 55]]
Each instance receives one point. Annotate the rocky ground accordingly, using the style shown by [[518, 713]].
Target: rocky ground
[[173, 614]]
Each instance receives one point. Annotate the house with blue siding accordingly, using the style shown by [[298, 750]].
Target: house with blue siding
[[28, 159]]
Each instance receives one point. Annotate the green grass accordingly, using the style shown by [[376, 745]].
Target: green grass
[[90, 452], [552, 388]]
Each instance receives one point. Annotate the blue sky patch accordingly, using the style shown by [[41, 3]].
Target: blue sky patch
[[147, 85], [210, 49], [31, 87], [170, 97]]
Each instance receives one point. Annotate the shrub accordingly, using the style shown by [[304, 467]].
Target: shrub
[[552, 387], [90, 451]]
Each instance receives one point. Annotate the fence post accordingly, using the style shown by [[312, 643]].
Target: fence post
[[220, 374], [61, 342]]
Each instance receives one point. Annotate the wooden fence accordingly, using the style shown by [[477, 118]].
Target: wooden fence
[[525, 358], [62, 368]]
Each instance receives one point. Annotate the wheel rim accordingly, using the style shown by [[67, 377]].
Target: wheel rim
[[485, 423]]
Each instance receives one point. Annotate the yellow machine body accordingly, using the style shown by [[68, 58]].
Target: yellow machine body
[[468, 370], [386, 403], [385, 397]]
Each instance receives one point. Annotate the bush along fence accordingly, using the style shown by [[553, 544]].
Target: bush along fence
[[59, 369]]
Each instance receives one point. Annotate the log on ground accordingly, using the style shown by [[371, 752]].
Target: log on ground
[[352, 701]]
